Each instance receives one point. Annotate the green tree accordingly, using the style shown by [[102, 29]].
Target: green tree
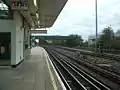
[[106, 37], [115, 43]]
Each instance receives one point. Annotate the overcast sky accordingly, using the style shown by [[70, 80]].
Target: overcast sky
[[78, 17]]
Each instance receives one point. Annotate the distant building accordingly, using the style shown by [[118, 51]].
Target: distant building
[[117, 34], [91, 39]]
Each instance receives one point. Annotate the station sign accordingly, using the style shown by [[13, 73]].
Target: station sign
[[38, 31], [19, 5]]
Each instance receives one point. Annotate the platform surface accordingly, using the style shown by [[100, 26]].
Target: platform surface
[[31, 74]]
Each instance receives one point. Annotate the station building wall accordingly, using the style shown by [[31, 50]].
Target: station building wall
[[17, 33]]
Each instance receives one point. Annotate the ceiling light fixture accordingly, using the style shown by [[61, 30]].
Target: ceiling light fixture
[[38, 22], [35, 2], [37, 15]]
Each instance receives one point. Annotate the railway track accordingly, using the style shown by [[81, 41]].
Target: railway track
[[73, 77], [105, 73], [112, 65], [91, 53]]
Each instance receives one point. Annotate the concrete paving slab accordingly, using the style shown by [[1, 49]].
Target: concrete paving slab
[[32, 74]]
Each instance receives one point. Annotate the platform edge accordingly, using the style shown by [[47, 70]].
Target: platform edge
[[59, 79]]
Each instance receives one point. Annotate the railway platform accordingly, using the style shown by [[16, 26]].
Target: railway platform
[[36, 73]]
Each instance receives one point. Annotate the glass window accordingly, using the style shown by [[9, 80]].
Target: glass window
[[5, 13]]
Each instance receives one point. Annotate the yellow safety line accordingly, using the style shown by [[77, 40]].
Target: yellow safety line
[[51, 75]]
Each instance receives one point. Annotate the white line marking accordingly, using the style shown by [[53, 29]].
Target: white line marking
[[52, 77], [59, 79], [50, 72]]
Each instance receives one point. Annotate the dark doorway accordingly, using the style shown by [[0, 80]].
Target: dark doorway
[[5, 48]]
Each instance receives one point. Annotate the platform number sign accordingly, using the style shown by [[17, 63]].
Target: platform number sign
[[19, 5]]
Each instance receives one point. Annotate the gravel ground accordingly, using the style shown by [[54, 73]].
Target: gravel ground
[[111, 65], [114, 86]]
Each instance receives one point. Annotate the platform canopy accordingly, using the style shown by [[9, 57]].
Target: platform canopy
[[43, 14], [49, 10]]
